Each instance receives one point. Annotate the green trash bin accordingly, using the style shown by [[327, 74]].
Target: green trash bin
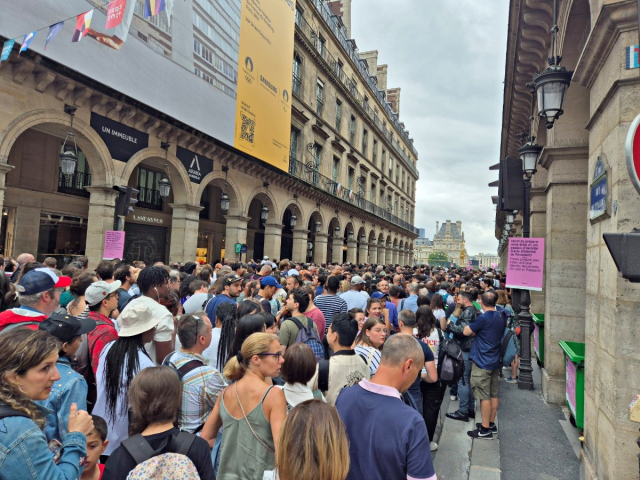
[[538, 336], [574, 379]]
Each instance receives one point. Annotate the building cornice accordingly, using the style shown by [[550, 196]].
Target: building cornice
[[550, 154]]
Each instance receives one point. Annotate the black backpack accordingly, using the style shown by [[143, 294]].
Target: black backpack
[[184, 369], [450, 361]]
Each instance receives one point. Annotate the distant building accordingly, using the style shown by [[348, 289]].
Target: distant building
[[488, 260], [422, 233], [449, 238], [422, 248]]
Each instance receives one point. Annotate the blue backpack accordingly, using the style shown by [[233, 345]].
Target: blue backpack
[[508, 349], [308, 336]]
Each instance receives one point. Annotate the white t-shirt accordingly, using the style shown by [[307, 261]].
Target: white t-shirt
[[195, 302], [164, 330], [439, 313], [433, 340], [211, 352], [118, 426]]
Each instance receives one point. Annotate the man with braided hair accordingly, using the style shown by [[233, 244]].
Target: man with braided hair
[[222, 335]]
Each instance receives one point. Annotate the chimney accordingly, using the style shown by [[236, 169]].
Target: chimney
[[459, 226], [437, 227]]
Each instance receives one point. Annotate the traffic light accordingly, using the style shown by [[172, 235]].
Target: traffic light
[[126, 199]]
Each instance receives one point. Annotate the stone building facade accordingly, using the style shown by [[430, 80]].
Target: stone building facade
[[584, 298], [449, 238], [350, 185]]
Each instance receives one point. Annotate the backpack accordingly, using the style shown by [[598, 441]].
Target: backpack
[[323, 375], [206, 302], [166, 466], [450, 361], [308, 336], [83, 367], [508, 349], [132, 297], [184, 369]]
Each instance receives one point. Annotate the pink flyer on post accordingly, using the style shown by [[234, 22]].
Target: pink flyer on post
[[525, 263]]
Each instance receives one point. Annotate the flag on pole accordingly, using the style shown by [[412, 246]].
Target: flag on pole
[[153, 7], [115, 13], [53, 31], [632, 57], [6, 49], [350, 194], [338, 189], [28, 38], [83, 21]]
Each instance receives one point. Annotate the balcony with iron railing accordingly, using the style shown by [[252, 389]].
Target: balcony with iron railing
[[308, 174], [332, 23], [149, 198], [350, 87], [74, 184]]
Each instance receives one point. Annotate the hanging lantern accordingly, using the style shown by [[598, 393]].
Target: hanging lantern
[[69, 157], [264, 213], [224, 202], [350, 234], [336, 231], [318, 225], [164, 185], [294, 220]]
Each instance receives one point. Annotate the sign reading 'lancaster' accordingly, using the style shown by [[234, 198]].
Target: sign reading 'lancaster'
[[197, 166]]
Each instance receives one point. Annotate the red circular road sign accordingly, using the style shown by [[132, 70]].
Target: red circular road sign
[[632, 150]]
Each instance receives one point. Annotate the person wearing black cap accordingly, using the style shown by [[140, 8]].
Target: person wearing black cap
[[72, 387], [228, 290]]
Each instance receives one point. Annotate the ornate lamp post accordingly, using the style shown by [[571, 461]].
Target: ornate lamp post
[[224, 199], [164, 184], [68, 157]]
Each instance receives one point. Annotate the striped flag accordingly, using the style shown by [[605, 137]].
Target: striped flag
[[153, 7], [338, 189], [83, 21], [28, 38], [632, 57]]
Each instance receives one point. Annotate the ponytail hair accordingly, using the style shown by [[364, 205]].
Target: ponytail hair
[[255, 344]]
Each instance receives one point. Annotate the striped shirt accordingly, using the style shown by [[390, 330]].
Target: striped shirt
[[200, 390], [371, 357], [329, 305]]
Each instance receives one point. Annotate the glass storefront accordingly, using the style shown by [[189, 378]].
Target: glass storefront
[[61, 236]]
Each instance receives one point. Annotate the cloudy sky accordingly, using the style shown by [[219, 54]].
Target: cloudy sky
[[448, 59]]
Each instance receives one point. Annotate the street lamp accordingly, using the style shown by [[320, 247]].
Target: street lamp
[[294, 217], [350, 234], [264, 211], [68, 157], [363, 238], [336, 232], [164, 184], [224, 199], [318, 225]]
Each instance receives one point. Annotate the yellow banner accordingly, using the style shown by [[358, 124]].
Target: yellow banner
[[265, 62]]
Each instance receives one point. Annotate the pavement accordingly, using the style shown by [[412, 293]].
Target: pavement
[[535, 441]]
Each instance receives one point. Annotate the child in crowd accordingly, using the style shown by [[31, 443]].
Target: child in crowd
[[96, 445]]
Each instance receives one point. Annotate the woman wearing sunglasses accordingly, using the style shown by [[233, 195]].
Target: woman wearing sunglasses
[[250, 411]]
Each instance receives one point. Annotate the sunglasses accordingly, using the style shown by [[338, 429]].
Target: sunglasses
[[277, 355]]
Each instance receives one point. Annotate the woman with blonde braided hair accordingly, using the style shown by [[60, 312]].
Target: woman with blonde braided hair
[[28, 371], [250, 410]]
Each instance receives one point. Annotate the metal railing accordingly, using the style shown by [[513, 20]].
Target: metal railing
[[74, 184], [149, 198], [311, 35], [308, 174]]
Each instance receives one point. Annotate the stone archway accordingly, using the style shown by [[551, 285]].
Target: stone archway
[[263, 235]]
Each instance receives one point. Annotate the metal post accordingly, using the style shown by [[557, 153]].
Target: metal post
[[525, 378]]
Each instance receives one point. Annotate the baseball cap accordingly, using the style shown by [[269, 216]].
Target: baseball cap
[[293, 271], [136, 319], [66, 327], [228, 280], [356, 280], [41, 280], [266, 257], [268, 282], [98, 291]]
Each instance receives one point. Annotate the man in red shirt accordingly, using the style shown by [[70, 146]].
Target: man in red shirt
[[39, 295], [102, 298]]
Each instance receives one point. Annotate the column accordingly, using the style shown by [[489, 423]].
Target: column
[[236, 232], [272, 239], [538, 225], [381, 254], [389, 255], [364, 252], [396, 255], [352, 251], [300, 239], [565, 261], [102, 209], [373, 253], [336, 254], [320, 248], [184, 232]]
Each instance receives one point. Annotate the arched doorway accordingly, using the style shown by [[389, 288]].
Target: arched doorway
[[334, 239], [261, 212]]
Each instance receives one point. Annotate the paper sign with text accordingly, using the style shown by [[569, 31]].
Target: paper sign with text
[[526, 263], [113, 245]]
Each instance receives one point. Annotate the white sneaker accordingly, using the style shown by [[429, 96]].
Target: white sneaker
[[434, 446], [453, 398]]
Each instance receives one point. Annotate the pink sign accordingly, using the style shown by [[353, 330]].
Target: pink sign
[[115, 13], [525, 263], [570, 383], [113, 245]]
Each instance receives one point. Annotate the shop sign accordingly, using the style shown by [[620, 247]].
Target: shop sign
[[598, 201], [197, 166], [122, 141], [113, 245], [244, 248], [148, 219], [570, 383]]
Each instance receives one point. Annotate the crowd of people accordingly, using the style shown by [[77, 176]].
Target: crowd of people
[[242, 370]]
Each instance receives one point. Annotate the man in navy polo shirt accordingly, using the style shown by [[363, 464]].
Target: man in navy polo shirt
[[387, 439], [488, 329]]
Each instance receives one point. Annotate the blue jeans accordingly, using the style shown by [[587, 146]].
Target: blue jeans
[[467, 401]]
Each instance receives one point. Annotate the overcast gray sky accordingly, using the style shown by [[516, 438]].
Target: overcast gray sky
[[448, 58]]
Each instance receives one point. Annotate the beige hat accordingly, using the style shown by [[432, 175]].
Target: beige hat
[[136, 319]]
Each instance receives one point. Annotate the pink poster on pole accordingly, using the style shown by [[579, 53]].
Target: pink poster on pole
[[525, 263], [113, 245]]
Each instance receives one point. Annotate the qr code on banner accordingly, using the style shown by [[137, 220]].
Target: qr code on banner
[[248, 128]]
